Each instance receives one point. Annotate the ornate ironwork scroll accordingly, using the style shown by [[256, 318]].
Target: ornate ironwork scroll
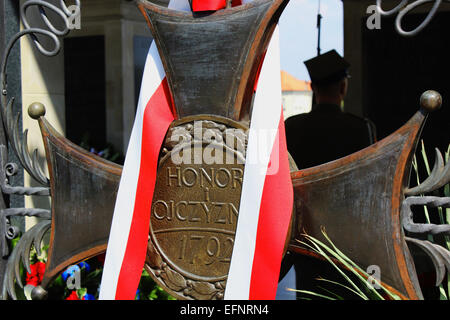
[[18, 143], [420, 196]]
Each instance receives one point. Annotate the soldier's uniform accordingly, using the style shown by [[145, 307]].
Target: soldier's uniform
[[326, 133], [322, 135]]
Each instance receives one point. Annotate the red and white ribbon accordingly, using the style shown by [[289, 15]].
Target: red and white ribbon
[[213, 5], [267, 196], [266, 200], [127, 245]]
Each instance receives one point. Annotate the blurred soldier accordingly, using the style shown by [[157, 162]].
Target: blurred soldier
[[322, 135], [327, 133]]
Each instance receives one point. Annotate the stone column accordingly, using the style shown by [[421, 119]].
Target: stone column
[[42, 81]]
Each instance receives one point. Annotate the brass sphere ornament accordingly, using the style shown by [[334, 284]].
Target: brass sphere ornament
[[431, 100], [36, 110], [39, 293]]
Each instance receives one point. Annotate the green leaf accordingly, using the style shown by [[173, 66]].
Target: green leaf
[[318, 250], [81, 292], [425, 158], [442, 295], [338, 284], [345, 262]]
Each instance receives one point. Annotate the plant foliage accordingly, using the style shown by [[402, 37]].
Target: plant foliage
[[356, 280]]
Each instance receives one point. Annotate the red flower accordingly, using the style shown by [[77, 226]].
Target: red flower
[[37, 273], [73, 296]]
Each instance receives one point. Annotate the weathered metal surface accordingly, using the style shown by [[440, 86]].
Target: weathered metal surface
[[83, 190], [211, 60], [439, 176], [196, 204], [195, 207], [11, 135], [440, 257], [12, 122], [419, 196], [19, 143], [424, 228], [357, 199]]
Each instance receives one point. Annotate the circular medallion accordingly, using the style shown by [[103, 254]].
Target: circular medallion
[[195, 206]]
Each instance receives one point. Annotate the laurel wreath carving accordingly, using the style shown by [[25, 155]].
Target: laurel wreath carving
[[170, 278], [212, 133]]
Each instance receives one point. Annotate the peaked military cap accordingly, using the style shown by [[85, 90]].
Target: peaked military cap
[[327, 68]]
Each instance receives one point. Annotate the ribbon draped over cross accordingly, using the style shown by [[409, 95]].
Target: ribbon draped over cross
[[266, 198], [212, 5]]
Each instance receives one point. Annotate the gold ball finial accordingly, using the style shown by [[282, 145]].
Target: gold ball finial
[[36, 110], [431, 100]]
